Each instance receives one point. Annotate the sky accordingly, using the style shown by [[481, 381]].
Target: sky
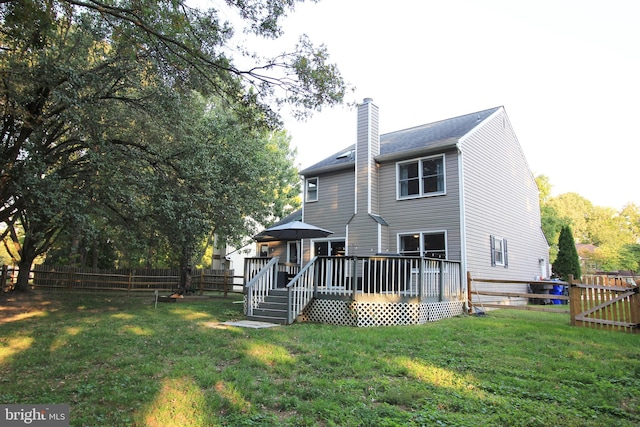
[[566, 71]]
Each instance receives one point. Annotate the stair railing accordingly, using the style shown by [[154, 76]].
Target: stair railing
[[260, 284], [300, 290]]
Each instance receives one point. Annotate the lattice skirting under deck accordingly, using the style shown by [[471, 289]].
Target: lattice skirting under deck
[[363, 314]]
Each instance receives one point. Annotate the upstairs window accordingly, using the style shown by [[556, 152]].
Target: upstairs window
[[422, 177], [311, 190], [499, 256]]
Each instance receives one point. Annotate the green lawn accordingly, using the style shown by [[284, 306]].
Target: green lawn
[[119, 362]]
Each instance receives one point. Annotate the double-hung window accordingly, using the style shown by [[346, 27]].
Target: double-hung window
[[311, 190], [428, 245], [499, 256], [421, 177]]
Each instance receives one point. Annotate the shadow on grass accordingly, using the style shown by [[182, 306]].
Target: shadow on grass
[[119, 361]]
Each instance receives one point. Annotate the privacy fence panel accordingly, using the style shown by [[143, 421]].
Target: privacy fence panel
[[605, 304], [129, 279]]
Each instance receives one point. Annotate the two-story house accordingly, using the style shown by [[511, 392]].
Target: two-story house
[[458, 190]]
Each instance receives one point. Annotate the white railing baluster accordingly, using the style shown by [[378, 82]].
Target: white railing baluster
[[428, 279]]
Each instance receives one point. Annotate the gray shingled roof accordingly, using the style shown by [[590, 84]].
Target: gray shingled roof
[[293, 216], [430, 136]]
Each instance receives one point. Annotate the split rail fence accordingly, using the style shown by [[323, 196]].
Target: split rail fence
[[130, 280], [595, 301]]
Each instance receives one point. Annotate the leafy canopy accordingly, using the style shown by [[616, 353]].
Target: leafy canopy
[[102, 118]]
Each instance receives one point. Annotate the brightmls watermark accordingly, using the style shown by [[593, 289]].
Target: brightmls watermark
[[34, 415]]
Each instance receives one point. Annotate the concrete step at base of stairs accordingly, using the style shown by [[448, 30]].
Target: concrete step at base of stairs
[[269, 319]]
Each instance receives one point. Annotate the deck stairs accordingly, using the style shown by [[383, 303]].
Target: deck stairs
[[273, 309]]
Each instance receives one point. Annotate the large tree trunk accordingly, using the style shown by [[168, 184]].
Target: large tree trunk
[[27, 256], [185, 269], [185, 280]]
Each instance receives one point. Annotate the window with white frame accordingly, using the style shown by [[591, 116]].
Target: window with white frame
[[263, 250], [421, 177], [428, 244], [311, 190], [499, 257], [293, 252]]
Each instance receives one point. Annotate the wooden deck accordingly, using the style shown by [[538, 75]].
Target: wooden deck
[[357, 291]]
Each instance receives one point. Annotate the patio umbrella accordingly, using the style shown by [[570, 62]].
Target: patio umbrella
[[294, 230]]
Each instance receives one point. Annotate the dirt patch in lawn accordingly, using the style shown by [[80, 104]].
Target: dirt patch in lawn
[[22, 305]]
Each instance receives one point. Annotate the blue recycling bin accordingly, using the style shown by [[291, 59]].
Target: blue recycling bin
[[556, 290]]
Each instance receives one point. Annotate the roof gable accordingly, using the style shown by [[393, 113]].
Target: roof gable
[[430, 136]]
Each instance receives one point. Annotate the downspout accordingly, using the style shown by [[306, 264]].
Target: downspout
[[463, 226], [304, 201]]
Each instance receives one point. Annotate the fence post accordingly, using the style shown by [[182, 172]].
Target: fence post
[[354, 282], [225, 282], [70, 278], [635, 310], [575, 299], [469, 296], [129, 281], [421, 263], [441, 284], [202, 281], [4, 278]]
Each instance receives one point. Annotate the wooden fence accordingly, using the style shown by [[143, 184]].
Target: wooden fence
[[594, 301], [518, 298], [130, 279], [7, 278], [605, 303]]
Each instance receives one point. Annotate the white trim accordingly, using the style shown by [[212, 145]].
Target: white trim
[[306, 189], [420, 233], [346, 240], [463, 221], [355, 179], [369, 157], [480, 125], [379, 238], [327, 240], [298, 246], [502, 262], [421, 194]]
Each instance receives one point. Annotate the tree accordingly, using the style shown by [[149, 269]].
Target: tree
[[576, 210], [233, 171], [88, 81], [567, 262], [551, 221]]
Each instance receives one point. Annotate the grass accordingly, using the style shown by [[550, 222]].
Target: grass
[[119, 362]]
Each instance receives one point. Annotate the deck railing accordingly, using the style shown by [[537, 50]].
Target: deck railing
[[300, 291], [260, 281], [412, 277], [253, 265], [355, 278]]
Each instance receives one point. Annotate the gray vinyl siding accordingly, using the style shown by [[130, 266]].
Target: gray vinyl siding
[[501, 199], [424, 214], [335, 205], [367, 147]]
